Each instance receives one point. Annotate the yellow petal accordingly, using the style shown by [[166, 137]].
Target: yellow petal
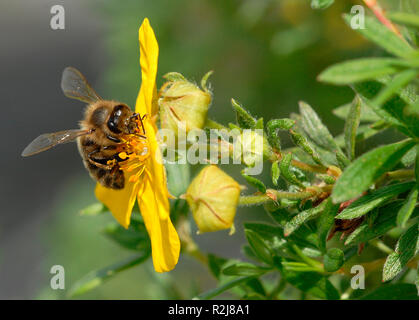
[[165, 243], [119, 202], [156, 168], [149, 54]]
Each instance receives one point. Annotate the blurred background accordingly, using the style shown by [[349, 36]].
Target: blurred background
[[264, 53]]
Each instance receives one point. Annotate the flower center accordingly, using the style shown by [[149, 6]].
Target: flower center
[[136, 151]]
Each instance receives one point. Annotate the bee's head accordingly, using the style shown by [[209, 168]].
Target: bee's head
[[121, 121]]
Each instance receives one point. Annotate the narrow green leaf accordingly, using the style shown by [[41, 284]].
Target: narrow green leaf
[[303, 217], [408, 206], [400, 110], [259, 124], [260, 248], [275, 172], [286, 173], [372, 200], [342, 160], [398, 82], [385, 221], [300, 141], [365, 170], [244, 269], [367, 114], [397, 291], [383, 37], [272, 128], [333, 260], [351, 126], [224, 287], [321, 4], [409, 158], [407, 247], [408, 19], [216, 264], [133, 238], [244, 119], [316, 130], [312, 283], [259, 185], [417, 164], [358, 70], [96, 278], [325, 222]]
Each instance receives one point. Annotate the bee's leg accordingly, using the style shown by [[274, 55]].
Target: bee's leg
[[98, 162], [113, 139]]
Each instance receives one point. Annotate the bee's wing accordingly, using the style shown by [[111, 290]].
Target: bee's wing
[[75, 86], [48, 140]]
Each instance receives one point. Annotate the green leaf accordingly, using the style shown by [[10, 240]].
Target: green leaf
[[417, 280], [407, 247], [367, 114], [383, 37], [216, 264], [408, 206], [351, 126], [133, 238], [417, 164], [274, 236], [333, 260], [259, 185], [397, 291], [244, 119], [259, 246], [365, 170], [272, 128], [311, 282], [224, 287], [316, 130], [374, 199], [94, 209], [275, 172], [385, 221], [398, 110], [96, 278], [325, 222], [286, 173], [321, 4], [244, 269], [303, 217], [408, 19], [300, 141], [398, 82], [359, 70]]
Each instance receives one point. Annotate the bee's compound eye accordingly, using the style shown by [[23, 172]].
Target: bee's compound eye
[[115, 118]]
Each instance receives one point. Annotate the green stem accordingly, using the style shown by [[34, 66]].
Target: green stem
[[253, 200], [282, 283], [314, 263], [380, 245], [395, 175]]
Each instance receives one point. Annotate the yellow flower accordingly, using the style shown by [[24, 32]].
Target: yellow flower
[[145, 178]]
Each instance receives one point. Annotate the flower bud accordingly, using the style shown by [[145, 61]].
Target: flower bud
[[251, 147], [183, 104], [213, 197]]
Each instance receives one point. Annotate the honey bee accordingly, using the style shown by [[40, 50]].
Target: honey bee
[[99, 141]]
